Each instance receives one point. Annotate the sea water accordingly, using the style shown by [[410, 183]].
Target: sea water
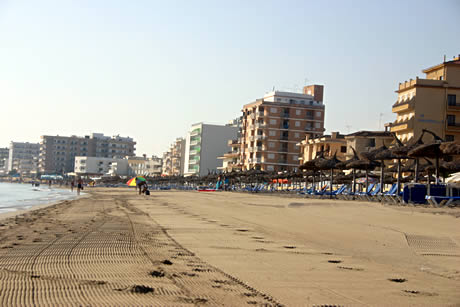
[[14, 196]]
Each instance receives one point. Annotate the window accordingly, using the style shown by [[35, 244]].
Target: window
[[297, 124], [371, 143], [343, 148], [318, 114], [298, 112], [272, 121], [271, 145], [271, 156], [317, 125], [273, 110], [309, 114], [270, 168], [450, 138], [451, 100], [296, 134], [271, 132], [451, 120]]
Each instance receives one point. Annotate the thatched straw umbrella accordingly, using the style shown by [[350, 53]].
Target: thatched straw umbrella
[[430, 150], [403, 150], [365, 165], [450, 148], [328, 164], [343, 165], [311, 165]]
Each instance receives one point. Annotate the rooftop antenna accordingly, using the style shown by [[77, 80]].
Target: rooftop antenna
[[348, 128], [444, 58], [380, 119], [306, 81]]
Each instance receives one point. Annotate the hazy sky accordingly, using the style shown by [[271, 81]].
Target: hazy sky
[[150, 69]]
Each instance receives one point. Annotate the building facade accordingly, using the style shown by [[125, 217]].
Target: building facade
[[204, 144], [274, 125], [432, 103], [143, 166], [93, 166], [4, 153], [178, 157], [57, 153], [23, 158], [329, 145], [364, 141], [231, 159]]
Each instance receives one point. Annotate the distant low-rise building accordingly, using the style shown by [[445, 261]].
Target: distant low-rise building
[[143, 166], [93, 166], [231, 159], [23, 158], [329, 145], [204, 144], [363, 141]]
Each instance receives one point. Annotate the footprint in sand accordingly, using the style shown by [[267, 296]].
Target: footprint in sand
[[334, 261]]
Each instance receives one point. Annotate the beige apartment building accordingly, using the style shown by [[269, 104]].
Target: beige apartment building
[[173, 159], [432, 103], [329, 145], [274, 125], [336, 143], [57, 153]]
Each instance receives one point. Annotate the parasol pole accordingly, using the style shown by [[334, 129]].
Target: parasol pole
[[416, 170], [398, 182], [382, 170], [437, 169], [354, 181], [332, 179], [367, 180]]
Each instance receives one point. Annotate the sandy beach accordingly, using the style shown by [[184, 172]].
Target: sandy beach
[[116, 248]]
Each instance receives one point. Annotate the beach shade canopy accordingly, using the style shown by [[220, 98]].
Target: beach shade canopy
[[363, 164], [327, 164], [450, 148], [311, 165], [343, 164], [132, 182], [371, 155]]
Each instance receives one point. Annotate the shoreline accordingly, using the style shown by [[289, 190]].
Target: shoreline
[[19, 211]]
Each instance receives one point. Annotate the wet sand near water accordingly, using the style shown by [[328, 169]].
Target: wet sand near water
[[116, 248]]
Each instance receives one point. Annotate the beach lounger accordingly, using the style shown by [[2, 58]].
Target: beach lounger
[[372, 195], [443, 201]]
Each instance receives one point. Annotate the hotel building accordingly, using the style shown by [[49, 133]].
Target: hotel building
[[173, 162], [274, 125], [231, 159], [57, 153], [4, 154], [204, 144], [432, 103]]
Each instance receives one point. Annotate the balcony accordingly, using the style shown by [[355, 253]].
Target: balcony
[[284, 138], [403, 125], [195, 133], [195, 142], [255, 160], [284, 126], [260, 125], [284, 149], [453, 126], [194, 152], [454, 107], [260, 137], [193, 161], [421, 82], [232, 154], [404, 105], [260, 114], [234, 142]]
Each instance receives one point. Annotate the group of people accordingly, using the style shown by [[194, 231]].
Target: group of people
[[79, 185]]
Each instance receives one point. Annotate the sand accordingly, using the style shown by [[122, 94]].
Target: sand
[[116, 248]]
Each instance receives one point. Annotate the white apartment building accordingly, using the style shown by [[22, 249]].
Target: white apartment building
[[23, 157], [85, 166], [204, 144], [136, 166]]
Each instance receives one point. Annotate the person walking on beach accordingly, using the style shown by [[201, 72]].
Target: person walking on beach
[[79, 186], [72, 185]]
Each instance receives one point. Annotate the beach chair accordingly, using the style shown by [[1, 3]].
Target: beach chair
[[361, 195], [336, 192], [372, 195], [443, 201]]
